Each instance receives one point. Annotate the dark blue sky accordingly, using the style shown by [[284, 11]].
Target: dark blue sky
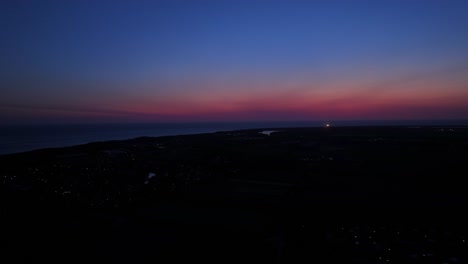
[[234, 60]]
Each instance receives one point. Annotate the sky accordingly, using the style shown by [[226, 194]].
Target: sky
[[178, 61]]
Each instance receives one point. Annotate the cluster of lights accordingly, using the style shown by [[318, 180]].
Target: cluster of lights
[[385, 252]]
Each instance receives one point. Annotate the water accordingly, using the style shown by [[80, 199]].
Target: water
[[19, 138]]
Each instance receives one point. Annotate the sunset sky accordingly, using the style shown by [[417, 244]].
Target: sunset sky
[[144, 61]]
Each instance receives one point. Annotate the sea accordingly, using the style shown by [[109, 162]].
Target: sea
[[21, 138]]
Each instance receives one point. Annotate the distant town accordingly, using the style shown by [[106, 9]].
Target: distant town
[[384, 194]]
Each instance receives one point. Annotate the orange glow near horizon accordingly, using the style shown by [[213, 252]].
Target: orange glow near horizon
[[257, 101], [402, 103], [233, 61]]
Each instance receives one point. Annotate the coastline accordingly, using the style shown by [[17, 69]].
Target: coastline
[[23, 138], [241, 193]]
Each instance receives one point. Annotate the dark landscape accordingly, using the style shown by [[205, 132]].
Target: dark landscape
[[274, 195], [234, 131]]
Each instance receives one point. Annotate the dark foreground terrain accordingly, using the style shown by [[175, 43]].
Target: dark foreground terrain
[[305, 195]]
